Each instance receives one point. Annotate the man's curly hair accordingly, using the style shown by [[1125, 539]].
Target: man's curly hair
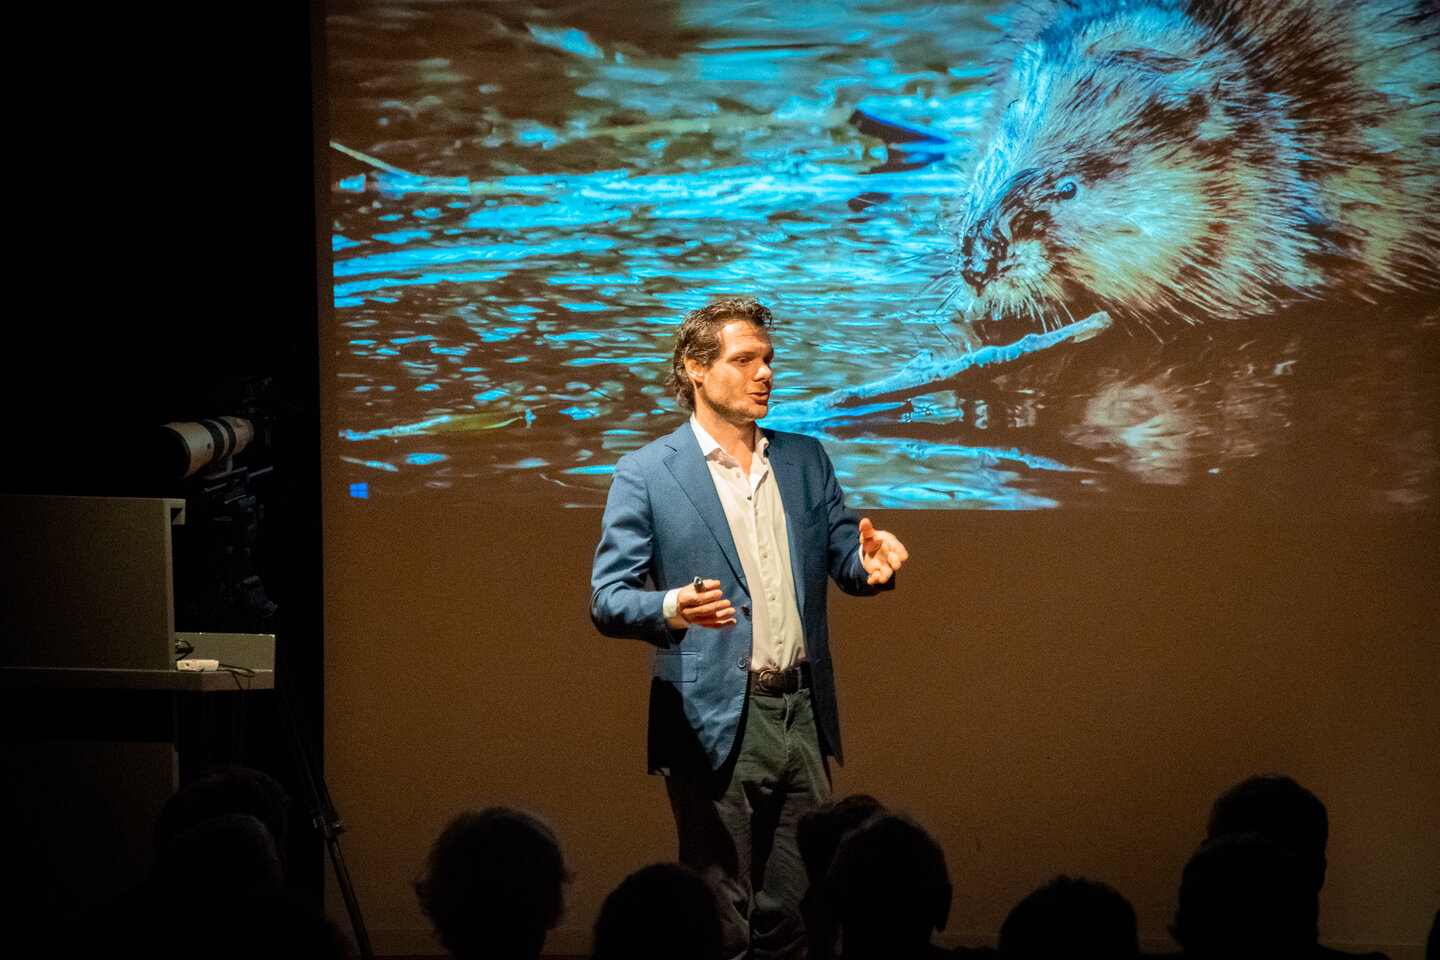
[[699, 339]]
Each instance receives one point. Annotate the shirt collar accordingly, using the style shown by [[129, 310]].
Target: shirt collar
[[712, 449]]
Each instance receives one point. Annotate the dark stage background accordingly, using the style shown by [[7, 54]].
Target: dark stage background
[[163, 268]]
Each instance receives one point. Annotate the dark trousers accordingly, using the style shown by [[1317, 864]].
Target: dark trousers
[[737, 827]]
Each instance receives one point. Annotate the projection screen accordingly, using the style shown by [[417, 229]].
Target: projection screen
[[1082, 267]]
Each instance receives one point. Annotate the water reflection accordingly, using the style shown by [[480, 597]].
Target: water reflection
[[532, 195]]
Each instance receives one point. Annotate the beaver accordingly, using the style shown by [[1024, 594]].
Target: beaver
[[1182, 160]]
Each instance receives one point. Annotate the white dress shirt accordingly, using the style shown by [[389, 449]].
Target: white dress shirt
[[757, 523]]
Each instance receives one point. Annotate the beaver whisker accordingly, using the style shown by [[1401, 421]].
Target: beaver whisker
[[1040, 315], [923, 257], [954, 292], [937, 283], [1037, 314], [1148, 325], [1069, 315]]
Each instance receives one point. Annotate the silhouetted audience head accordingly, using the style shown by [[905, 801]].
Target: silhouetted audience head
[[1432, 944], [665, 911], [1242, 897], [819, 831], [887, 889], [1280, 810], [223, 863], [218, 853], [1071, 919], [818, 834], [493, 885], [225, 790]]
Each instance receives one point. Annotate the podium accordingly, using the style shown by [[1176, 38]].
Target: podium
[[89, 693]]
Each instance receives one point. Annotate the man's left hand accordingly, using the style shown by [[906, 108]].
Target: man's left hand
[[880, 552]]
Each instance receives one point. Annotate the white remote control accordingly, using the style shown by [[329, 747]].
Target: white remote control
[[198, 665]]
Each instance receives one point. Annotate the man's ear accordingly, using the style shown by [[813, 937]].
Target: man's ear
[[694, 371]]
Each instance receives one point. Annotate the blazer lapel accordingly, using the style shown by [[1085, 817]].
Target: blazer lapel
[[691, 471]]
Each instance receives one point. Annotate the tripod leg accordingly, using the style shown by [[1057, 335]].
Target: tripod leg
[[319, 806]]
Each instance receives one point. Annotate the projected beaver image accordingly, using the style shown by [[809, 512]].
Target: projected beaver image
[[1154, 254], [1172, 163]]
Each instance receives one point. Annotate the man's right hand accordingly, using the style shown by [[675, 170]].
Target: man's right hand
[[703, 607]]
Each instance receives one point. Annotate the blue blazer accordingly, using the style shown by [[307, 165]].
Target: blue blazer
[[664, 526]]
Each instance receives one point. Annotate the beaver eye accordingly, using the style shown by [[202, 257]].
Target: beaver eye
[[1067, 189]]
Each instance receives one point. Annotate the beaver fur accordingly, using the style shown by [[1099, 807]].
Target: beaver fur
[[1181, 161]]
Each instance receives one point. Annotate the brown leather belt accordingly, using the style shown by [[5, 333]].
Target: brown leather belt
[[777, 683]]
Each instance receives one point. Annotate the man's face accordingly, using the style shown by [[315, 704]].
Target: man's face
[[736, 387]]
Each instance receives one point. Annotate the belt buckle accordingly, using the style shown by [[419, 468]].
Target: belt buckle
[[773, 681]]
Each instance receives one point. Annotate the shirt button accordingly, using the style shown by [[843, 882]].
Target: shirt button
[[742, 663]]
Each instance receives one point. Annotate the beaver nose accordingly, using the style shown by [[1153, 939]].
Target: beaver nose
[[981, 252]]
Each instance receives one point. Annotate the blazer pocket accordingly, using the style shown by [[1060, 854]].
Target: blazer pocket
[[677, 667]]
